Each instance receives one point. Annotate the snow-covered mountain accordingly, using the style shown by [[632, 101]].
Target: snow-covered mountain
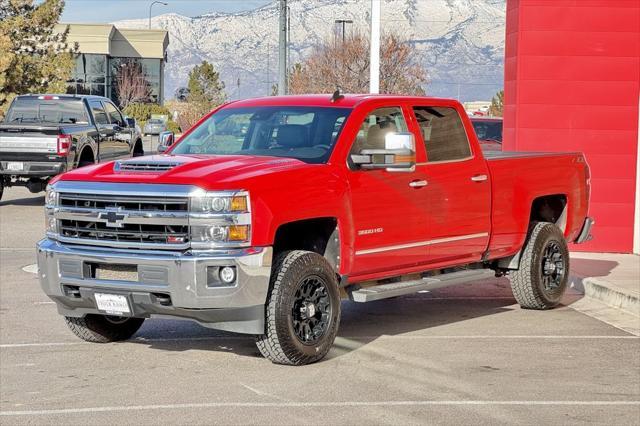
[[460, 42]]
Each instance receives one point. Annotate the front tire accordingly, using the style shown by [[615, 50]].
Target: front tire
[[303, 309], [103, 329], [543, 275]]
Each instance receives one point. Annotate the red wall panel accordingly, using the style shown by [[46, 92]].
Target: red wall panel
[[572, 83]]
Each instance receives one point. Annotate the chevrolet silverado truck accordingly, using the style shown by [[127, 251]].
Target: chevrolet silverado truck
[[264, 230], [45, 135]]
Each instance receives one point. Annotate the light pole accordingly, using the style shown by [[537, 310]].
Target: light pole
[[374, 62], [151, 5], [343, 22]]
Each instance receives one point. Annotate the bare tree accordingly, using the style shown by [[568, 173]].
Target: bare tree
[[346, 64], [131, 84]]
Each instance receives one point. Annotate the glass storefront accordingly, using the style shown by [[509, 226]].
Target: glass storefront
[[109, 76], [89, 76]]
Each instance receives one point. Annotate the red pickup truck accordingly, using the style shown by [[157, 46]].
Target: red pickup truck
[[269, 211]]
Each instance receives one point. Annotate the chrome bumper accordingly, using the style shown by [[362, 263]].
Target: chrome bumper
[[585, 232], [169, 283], [35, 168]]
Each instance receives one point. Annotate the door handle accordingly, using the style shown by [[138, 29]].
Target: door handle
[[479, 178], [418, 183]]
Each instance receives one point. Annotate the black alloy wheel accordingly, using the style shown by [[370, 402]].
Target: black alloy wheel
[[311, 311]]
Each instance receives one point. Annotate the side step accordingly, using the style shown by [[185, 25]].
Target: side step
[[384, 291]]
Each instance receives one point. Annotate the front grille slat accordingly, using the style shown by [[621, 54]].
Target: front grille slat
[[96, 230]]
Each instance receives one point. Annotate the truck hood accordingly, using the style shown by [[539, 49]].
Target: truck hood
[[208, 172]]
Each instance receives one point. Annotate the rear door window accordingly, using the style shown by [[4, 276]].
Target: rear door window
[[443, 133], [98, 112]]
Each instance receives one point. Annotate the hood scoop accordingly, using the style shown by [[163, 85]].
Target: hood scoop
[[145, 165]]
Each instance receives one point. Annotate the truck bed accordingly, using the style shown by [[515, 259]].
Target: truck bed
[[518, 178], [506, 155]]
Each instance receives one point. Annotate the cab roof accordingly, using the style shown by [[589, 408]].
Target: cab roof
[[324, 100]]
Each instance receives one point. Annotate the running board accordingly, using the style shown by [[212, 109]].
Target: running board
[[384, 291]]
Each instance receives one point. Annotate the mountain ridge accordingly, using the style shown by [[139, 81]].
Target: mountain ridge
[[460, 42]]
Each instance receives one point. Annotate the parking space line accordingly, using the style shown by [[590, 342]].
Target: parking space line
[[385, 336], [327, 404]]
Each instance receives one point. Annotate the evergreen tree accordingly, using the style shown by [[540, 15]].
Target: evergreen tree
[[205, 87], [33, 56], [496, 104]]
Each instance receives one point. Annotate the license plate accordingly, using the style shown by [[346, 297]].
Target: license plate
[[15, 166], [113, 304]]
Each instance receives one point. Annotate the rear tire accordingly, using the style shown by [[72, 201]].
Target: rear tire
[[103, 329], [544, 268], [303, 309]]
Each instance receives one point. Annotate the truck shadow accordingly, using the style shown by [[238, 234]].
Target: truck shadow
[[36, 200], [361, 323], [582, 268]]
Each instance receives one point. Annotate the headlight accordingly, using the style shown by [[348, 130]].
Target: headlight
[[51, 197], [220, 234], [219, 203], [50, 202], [220, 219], [51, 224]]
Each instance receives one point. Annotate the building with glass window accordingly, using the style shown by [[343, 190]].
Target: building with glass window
[[119, 63]]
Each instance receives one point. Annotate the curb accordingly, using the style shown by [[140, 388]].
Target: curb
[[620, 298]]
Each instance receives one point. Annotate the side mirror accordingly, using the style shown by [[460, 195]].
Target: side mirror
[[399, 154], [165, 140], [131, 122]]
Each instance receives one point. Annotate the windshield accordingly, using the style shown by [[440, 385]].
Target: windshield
[[488, 130], [304, 133], [33, 110]]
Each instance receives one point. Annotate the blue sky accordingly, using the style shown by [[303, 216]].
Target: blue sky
[[115, 10]]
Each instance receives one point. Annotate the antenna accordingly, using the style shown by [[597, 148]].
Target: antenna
[[337, 95]]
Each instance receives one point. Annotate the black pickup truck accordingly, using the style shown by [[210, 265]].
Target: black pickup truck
[[45, 135]]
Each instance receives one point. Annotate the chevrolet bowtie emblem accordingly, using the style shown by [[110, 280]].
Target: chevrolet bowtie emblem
[[113, 218]]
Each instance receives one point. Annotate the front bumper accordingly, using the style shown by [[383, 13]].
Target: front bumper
[[34, 168], [168, 283]]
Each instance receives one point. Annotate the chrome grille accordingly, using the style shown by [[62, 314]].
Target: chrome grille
[[128, 233], [145, 166], [124, 202], [123, 220]]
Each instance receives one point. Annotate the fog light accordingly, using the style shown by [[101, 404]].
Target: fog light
[[228, 274]]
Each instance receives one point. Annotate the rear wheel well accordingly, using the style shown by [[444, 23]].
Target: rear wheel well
[[318, 235], [86, 157], [550, 208]]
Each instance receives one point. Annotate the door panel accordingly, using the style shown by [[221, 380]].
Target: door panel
[[389, 212], [107, 146], [122, 134], [390, 220], [459, 192]]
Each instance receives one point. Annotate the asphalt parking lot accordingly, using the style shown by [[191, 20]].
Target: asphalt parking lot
[[467, 354]]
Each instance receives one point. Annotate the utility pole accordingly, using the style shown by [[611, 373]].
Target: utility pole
[[374, 63], [282, 49]]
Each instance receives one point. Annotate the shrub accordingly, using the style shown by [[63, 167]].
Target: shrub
[[143, 111]]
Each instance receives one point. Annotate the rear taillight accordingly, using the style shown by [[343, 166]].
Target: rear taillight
[[64, 143]]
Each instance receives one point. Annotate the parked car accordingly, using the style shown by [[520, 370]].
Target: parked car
[[154, 126], [369, 197], [489, 132], [44, 135]]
